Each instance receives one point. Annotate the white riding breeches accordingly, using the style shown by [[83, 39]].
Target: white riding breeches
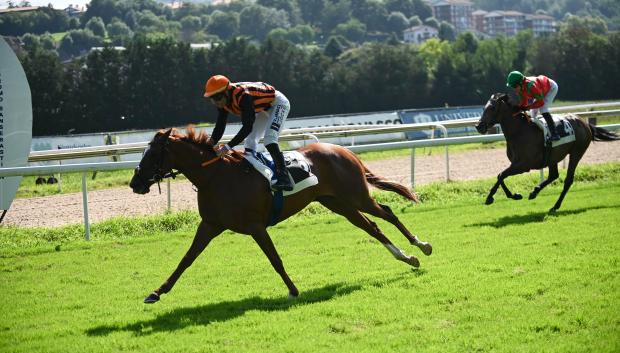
[[548, 100], [269, 123]]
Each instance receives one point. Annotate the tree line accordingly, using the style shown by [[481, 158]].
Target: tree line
[[158, 81], [335, 23]]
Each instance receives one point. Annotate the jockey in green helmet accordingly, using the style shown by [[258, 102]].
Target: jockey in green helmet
[[536, 93]]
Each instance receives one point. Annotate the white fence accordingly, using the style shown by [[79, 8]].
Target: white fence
[[314, 134]]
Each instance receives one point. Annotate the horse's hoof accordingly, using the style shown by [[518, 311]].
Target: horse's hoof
[[532, 196], [553, 210], [517, 196], [293, 295], [413, 261], [489, 201], [426, 248], [152, 298]]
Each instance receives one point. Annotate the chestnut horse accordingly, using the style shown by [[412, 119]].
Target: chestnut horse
[[231, 196], [525, 146]]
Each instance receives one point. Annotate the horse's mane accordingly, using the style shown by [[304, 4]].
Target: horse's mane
[[198, 138]]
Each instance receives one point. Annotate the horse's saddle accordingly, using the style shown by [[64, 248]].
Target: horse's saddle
[[562, 127], [297, 166]]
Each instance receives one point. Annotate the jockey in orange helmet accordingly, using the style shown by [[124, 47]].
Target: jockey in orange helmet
[[535, 93], [263, 111]]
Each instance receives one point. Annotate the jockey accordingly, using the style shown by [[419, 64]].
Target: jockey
[[535, 93], [262, 110]]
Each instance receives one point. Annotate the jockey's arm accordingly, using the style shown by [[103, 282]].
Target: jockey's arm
[[539, 98], [220, 125], [247, 120]]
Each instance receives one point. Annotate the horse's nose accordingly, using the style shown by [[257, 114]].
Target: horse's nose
[[481, 127]]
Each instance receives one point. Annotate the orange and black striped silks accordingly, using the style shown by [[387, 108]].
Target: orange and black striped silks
[[262, 95]]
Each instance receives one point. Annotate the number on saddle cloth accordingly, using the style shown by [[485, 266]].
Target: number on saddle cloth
[[562, 127]]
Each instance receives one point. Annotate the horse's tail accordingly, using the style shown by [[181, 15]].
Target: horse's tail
[[383, 184], [600, 134]]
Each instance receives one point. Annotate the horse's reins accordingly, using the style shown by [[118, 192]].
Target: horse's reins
[[157, 177], [217, 158]]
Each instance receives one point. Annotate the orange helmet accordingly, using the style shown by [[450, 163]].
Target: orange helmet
[[216, 84]]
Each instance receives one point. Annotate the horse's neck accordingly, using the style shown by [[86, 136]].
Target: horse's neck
[[511, 125], [188, 160]]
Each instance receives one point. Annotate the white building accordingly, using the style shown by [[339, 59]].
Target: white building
[[419, 34]]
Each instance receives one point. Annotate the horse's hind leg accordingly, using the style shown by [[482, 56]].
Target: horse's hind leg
[[358, 219], [553, 174], [570, 175], [384, 212]]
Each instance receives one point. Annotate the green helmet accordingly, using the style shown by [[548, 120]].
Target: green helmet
[[514, 78]]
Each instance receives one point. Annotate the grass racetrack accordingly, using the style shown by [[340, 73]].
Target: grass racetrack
[[502, 278]]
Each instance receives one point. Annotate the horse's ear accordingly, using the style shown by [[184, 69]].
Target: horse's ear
[[167, 133]]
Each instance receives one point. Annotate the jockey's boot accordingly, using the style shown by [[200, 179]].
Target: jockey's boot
[[283, 181], [551, 126]]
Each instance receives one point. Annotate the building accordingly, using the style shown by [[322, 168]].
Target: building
[[75, 10], [504, 22], [477, 18], [456, 12], [540, 24], [419, 34], [19, 9]]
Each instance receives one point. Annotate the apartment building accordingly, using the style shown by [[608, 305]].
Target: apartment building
[[456, 12]]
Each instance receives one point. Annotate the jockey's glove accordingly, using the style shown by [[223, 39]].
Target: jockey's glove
[[222, 150]]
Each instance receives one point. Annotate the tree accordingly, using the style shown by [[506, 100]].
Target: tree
[[352, 30], [223, 24], [311, 10], [118, 29], [77, 42], [334, 13], [256, 21], [333, 48], [290, 7], [432, 22], [95, 25], [405, 7], [447, 31], [372, 13], [397, 23], [45, 77], [415, 21], [190, 25]]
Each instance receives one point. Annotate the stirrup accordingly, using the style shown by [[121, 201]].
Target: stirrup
[[283, 183]]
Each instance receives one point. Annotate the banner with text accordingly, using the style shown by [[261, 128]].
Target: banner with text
[[438, 115]]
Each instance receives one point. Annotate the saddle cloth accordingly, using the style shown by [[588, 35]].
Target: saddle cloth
[[562, 127], [296, 164]]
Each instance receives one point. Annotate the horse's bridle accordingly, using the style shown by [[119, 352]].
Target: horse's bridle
[[160, 174]]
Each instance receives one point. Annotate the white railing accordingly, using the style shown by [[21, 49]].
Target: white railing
[[288, 135]]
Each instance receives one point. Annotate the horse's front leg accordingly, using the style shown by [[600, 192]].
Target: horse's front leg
[[205, 233], [263, 240], [553, 174], [511, 170]]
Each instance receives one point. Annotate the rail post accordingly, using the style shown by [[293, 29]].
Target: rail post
[[85, 204]]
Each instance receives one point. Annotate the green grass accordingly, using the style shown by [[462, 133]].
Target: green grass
[[502, 278], [58, 36]]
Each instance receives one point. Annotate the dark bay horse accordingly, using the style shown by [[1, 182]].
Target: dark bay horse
[[525, 146], [231, 196]]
